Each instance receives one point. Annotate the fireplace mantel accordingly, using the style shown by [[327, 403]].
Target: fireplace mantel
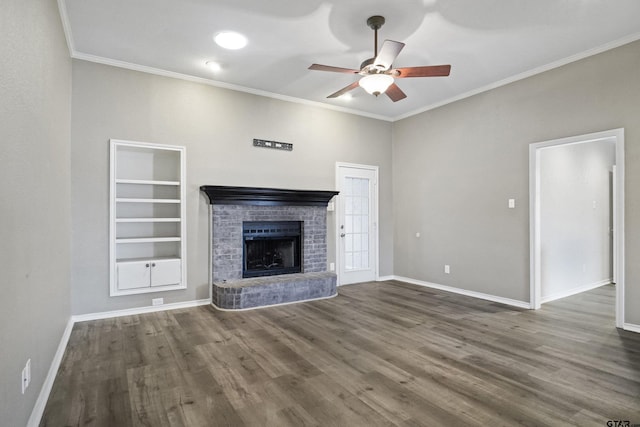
[[257, 196]]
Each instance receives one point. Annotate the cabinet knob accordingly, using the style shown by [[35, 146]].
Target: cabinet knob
[[147, 265], [153, 264]]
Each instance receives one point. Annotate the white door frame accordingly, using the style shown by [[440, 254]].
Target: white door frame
[[534, 214], [374, 209]]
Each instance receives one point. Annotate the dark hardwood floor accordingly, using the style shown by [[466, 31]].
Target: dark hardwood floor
[[379, 354]]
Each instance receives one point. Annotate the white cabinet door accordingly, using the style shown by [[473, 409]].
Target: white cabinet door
[[132, 275], [166, 272]]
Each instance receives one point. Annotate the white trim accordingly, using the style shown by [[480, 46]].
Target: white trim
[[135, 67], [223, 85], [45, 391], [66, 27], [138, 310], [488, 297], [349, 284], [574, 291], [526, 74], [534, 213], [375, 210], [43, 396], [385, 278], [631, 327], [273, 305]]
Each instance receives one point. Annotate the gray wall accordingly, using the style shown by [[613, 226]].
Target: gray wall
[[35, 98], [217, 126], [455, 168], [575, 216]]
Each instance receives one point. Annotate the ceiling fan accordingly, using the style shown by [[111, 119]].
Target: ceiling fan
[[378, 76]]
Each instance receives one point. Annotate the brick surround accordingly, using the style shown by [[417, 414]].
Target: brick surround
[[227, 235]]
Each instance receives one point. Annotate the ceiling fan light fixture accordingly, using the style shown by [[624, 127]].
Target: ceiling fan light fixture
[[375, 84], [230, 40]]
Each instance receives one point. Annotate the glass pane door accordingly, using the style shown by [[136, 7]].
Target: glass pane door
[[356, 223]]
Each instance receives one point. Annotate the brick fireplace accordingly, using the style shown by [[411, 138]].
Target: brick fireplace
[[232, 208]]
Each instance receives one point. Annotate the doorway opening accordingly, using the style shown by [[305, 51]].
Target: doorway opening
[[553, 159]]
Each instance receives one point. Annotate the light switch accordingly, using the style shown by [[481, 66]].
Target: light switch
[[512, 203]]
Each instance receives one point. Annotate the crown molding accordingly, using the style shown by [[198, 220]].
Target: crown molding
[[160, 72], [538, 70]]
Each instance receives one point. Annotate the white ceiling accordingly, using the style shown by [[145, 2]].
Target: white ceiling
[[487, 42]]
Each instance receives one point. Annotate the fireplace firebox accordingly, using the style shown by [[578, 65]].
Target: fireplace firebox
[[271, 248]]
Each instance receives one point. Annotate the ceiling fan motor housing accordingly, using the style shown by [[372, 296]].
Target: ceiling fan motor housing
[[368, 67], [375, 22]]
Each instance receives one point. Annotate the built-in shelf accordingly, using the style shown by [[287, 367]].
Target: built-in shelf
[[146, 182], [131, 260], [148, 219], [128, 200], [147, 216], [148, 239]]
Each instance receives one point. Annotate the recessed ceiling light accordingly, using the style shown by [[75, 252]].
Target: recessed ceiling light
[[230, 40], [213, 66]]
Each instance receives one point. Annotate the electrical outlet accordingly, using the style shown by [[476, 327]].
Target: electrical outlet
[[332, 266], [157, 301], [447, 269]]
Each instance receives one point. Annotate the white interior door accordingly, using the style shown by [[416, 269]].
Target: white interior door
[[357, 223]]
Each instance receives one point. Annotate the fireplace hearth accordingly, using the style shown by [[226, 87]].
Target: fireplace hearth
[[271, 248], [268, 246]]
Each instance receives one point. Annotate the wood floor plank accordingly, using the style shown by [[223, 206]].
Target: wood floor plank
[[379, 354]]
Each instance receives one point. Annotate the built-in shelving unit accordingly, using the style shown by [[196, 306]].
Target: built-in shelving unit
[[147, 212]]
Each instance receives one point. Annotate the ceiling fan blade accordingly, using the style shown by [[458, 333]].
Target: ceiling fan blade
[[388, 53], [426, 71], [320, 67], [344, 90], [395, 93]]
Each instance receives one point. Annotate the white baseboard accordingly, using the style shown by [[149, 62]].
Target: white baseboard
[[139, 310], [384, 278], [43, 396], [576, 290], [488, 297], [631, 327]]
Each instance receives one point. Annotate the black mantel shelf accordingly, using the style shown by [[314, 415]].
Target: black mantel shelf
[[223, 195]]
